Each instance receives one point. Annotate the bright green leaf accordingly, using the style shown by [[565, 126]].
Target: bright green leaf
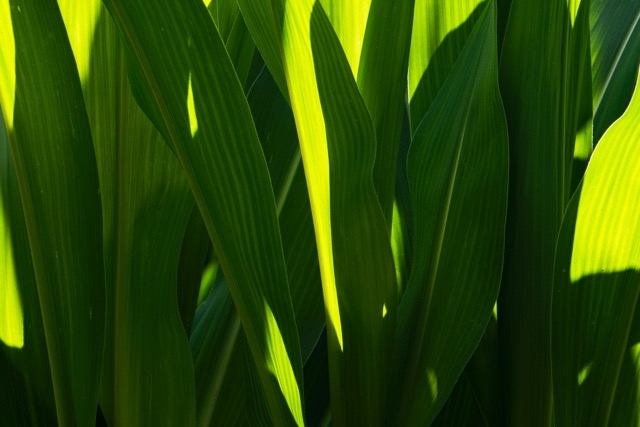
[[597, 274]]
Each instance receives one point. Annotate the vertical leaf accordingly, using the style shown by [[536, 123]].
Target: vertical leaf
[[615, 53], [542, 72], [597, 278], [51, 144], [457, 164], [27, 391], [382, 79], [184, 80], [440, 31]]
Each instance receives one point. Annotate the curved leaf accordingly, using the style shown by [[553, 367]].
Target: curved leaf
[[440, 31], [185, 82], [597, 274], [382, 80], [27, 391], [50, 141], [458, 163], [349, 20], [615, 53]]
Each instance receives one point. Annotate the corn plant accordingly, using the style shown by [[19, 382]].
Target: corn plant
[[303, 212]]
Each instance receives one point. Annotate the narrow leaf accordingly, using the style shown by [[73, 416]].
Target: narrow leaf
[[213, 136], [51, 144]]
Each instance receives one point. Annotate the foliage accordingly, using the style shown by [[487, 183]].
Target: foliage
[[253, 212]]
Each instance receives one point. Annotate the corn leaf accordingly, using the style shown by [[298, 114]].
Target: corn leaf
[[50, 141], [144, 191], [26, 396], [457, 163], [204, 117], [615, 53], [265, 22], [349, 20], [193, 260], [382, 80], [597, 274], [356, 265], [355, 255], [542, 75], [277, 130], [218, 360], [440, 31]]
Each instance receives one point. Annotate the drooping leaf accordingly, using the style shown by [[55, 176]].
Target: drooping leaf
[[457, 164], [597, 278]]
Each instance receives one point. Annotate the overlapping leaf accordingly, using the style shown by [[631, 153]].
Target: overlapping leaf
[[615, 53], [440, 31], [597, 279], [185, 82], [458, 164], [542, 78], [55, 165], [382, 80]]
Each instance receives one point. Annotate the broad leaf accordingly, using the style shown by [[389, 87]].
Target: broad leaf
[[458, 163], [597, 278], [542, 77]]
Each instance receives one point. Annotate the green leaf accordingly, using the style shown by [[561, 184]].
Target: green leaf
[[224, 14], [382, 79], [626, 404], [462, 408], [191, 266], [360, 345], [26, 396], [597, 274], [52, 149], [542, 77], [265, 21], [349, 20], [198, 105], [457, 164], [440, 31], [615, 53], [218, 360], [143, 191], [277, 130]]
